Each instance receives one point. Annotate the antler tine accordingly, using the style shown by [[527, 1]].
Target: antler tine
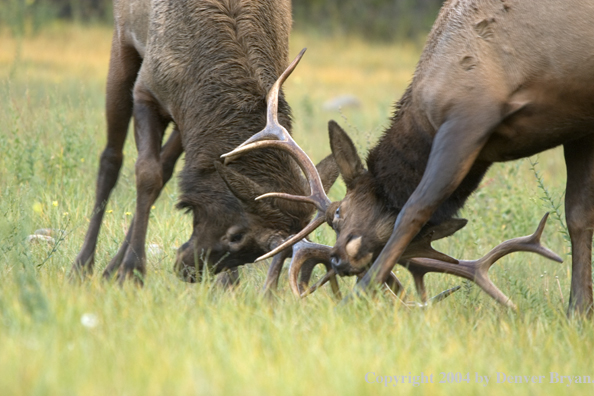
[[272, 97], [530, 243], [419, 279], [274, 271], [330, 275], [477, 270], [291, 197], [273, 130], [306, 255], [421, 245], [275, 135], [315, 223], [432, 301]]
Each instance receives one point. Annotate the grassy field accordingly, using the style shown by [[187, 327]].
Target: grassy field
[[175, 338]]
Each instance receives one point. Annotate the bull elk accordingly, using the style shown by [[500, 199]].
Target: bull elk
[[498, 80], [204, 66]]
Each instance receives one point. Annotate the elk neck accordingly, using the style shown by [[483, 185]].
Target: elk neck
[[214, 85], [271, 169], [397, 163]]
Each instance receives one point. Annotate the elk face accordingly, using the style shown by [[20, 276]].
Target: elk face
[[226, 233], [362, 228], [362, 222], [234, 228], [221, 241]]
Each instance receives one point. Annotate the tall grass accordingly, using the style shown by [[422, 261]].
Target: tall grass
[[174, 338]]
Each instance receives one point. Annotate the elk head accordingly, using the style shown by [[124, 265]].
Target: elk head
[[231, 227], [362, 222], [237, 228]]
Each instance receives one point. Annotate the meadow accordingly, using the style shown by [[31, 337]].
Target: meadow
[[58, 338]]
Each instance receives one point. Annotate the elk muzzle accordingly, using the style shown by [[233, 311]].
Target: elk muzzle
[[352, 259], [188, 263]]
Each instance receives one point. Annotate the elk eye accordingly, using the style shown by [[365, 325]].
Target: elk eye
[[337, 213], [236, 238]]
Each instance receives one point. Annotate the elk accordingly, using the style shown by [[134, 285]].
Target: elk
[[498, 80], [206, 67]]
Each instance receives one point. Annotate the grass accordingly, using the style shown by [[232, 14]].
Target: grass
[[174, 338]]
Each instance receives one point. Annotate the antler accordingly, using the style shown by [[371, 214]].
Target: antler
[[474, 270], [275, 135], [274, 271], [306, 255], [478, 270], [421, 245], [311, 254]]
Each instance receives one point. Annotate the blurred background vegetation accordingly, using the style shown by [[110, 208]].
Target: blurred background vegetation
[[372, 19], [28, 16]]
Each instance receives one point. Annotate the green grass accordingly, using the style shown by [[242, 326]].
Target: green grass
[[175, 338]]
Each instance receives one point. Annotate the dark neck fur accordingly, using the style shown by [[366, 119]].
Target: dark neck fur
[[224, 76], [397, 163]]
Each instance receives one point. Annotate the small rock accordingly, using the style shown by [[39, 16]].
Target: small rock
[[49, 232], [154, 249], [41, 238]]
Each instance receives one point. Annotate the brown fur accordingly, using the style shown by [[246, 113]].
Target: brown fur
[[498, 80], [205, 66]]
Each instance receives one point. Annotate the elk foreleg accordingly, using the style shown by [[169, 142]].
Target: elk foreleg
[[149, 127], [453, 153], [170, 153], [123, 69], [579, 212]]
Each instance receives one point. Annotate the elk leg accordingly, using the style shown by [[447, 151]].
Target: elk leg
[[453, 153], [124, 64], [149, 127], [170, 153], [579, 212]]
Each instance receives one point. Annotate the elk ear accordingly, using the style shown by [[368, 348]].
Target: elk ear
[[345, 154], [246, 190], [241, 186], [444, 229], [328, 171]]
